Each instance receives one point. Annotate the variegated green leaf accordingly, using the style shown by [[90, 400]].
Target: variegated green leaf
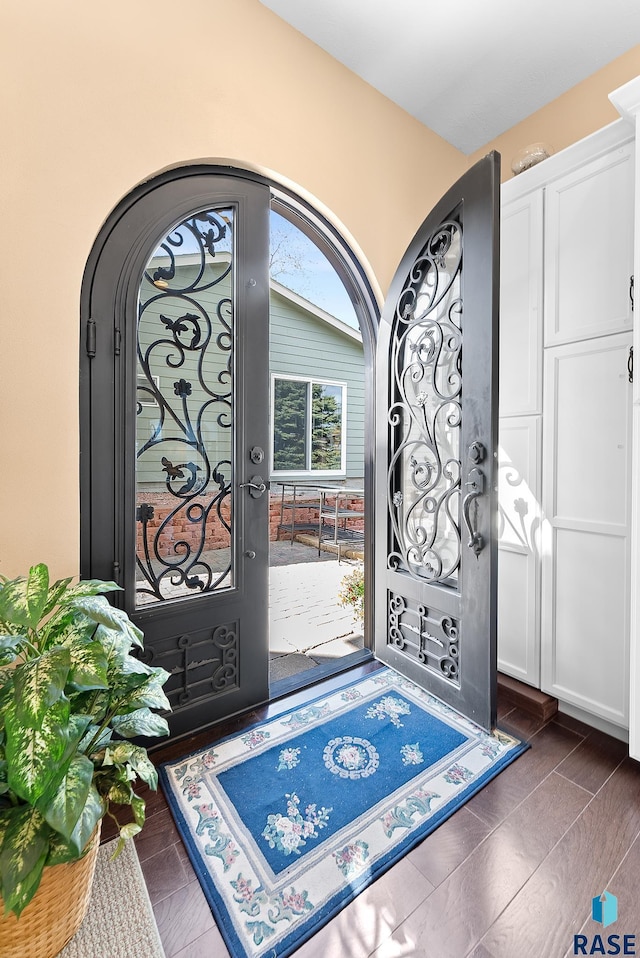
[[126, 685], [134, 666], [141, 722], [38, 683], [3, 767], [100, 610], [60, 851], [34, 755], [138, 807], [126, 832], [24, 852], [92, 811], [151, 693], [22, 601], [103, 739], [91, 587], [92, 702], [56, 593], [6, 698], [10, 646], [88, 666], [66, 806], [22, 892], [118, 753], [116, 647], [65, 628], [76, 729], [5, 820], [121, 792]]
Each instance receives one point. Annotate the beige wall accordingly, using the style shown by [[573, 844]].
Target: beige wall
[[96, 98], [580, 111]]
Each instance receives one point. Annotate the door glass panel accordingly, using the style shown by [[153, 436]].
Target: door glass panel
[[185, 412], [426, 413]]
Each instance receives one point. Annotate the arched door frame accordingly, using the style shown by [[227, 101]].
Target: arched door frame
[[350, 270]]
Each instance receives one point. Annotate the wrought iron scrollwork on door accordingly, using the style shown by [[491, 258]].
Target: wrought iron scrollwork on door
[[425, 413], [184, 422], [431, 638]]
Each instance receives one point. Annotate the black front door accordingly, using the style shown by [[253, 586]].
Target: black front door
[[436, 451], [174, 383]]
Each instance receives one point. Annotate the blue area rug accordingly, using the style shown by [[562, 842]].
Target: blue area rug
[[288, 821]]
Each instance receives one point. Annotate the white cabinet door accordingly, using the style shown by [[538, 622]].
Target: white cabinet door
[[586, 502], [521, 306], [521, 295], [519, 518], [589, 249]]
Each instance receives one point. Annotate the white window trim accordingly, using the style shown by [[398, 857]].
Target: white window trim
[[156, 380], [311, 473]]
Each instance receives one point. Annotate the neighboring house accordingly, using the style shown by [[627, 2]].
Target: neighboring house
[[317, 392], [316, 382], [317, 397]]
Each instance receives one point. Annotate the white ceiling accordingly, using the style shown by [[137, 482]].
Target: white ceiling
[[468, 69]]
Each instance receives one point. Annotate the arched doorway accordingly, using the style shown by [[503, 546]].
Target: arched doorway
[[176, 439]]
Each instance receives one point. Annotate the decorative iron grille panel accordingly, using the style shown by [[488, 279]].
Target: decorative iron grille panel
[[427, 636], [185, 414], [200, 664], [425, 412]]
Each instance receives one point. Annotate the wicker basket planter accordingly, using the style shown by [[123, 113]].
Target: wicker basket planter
[[54, 915]]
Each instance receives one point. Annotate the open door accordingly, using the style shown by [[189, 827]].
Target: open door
[[436, 452]]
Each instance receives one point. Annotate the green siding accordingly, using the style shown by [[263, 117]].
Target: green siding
[[152, 330], [302, 344]]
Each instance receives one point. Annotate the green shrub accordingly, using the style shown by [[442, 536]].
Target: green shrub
[[352, 592]]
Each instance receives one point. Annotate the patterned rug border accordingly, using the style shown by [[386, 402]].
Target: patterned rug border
[[352, 887]]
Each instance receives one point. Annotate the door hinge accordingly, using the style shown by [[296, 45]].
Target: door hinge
[[631, 291], [91, 338], [115, 571], [117, 340], [630, 364]]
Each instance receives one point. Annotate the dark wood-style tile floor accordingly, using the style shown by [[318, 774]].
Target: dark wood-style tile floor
[[510, 875]]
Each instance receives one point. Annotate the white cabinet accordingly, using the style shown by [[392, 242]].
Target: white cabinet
[[588, 249], [586, 503], [519, 524], [521, 297], [521, 294], [565, 414]]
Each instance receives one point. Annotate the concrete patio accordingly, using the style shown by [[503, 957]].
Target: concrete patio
[[308, 626]]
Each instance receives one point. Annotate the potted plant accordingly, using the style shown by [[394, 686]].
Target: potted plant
[[71, 697]]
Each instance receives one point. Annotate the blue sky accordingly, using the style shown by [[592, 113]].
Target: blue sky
[[299, 265]]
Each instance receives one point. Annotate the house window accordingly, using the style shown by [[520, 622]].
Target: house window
[[308, 426], [147, 388]]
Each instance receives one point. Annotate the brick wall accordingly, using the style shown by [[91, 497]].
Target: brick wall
[[217, 537]]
